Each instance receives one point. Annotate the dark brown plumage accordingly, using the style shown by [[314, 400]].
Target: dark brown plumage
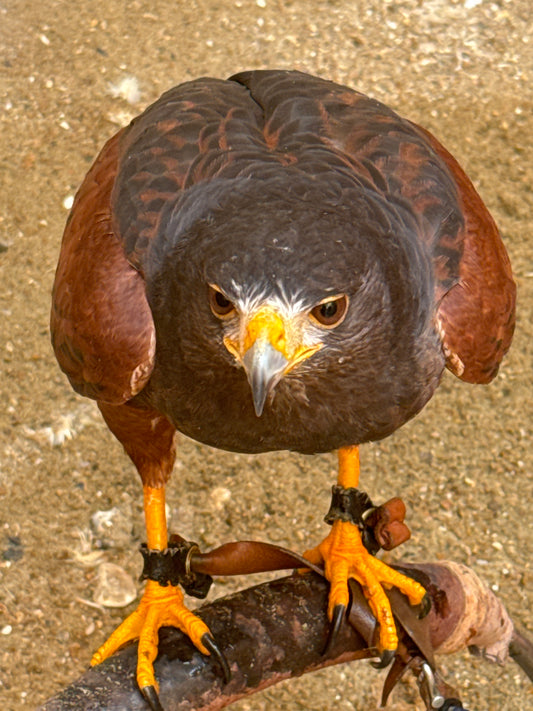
[[278, 204]]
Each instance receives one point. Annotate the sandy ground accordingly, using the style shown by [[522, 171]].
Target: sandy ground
[[464, 70]]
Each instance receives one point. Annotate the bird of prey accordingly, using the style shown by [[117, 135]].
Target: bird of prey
[[273, 262]]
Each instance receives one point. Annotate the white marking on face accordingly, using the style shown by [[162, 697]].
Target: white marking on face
[[250, 300]]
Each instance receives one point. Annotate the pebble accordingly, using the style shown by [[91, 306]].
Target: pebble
[[219, 496], [115, 586], [127, 88], [112, 528]]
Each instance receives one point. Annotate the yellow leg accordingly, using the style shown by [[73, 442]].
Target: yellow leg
[[155, 518], [344, 556], [348, 475], [160, 605]]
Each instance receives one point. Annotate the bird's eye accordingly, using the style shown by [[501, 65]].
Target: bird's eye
[[331, 311], [221, 306]]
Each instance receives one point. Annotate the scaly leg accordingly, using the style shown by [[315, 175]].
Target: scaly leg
[[344, 556], [160, 606]]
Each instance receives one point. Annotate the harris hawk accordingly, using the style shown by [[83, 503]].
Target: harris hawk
[[273, 261]]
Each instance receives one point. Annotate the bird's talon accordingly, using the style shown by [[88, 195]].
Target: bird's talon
[[385, 658], [152, 698], [425, 606], [337, 619], [209, 643]]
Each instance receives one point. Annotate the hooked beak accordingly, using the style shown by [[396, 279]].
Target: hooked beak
[[264, 366], [267, 352]]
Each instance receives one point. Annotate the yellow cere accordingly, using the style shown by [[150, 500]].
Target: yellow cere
[[283, 334]]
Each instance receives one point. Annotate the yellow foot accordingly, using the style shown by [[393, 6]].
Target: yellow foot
[[160, 606], [343, 555]]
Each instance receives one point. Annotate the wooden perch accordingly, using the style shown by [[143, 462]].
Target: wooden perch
[[279, 629]]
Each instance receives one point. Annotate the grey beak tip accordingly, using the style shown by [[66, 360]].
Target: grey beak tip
[[259, 407], [260, 389], [264, 366]]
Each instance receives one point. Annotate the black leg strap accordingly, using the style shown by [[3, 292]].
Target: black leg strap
[[172, 566], [350, 504]]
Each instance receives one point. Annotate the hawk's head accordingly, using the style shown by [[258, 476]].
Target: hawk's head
[[306, 286]]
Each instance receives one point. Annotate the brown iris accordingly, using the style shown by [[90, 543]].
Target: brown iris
[[221, 306], [331, 311]]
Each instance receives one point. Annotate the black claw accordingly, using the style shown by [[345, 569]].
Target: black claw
[[386, 657], [152, 699], [209, 642], [425, 606], [339, 612]]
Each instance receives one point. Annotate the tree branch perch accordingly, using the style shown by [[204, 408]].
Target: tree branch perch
[[278, 630]]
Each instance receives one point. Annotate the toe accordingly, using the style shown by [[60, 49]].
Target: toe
[[314, 556], [337, 572], [189, 623], [381, 609], [147, 652], [127, 631]]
